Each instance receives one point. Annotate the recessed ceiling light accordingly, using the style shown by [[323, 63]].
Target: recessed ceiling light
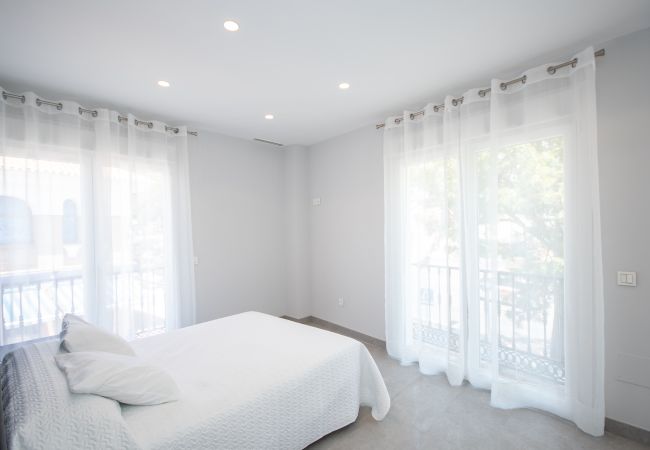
[[231, 25], [344, 86], [269, 117], [163, 83]]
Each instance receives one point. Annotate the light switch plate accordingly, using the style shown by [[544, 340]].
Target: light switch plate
[[627, 279], [315, 201]]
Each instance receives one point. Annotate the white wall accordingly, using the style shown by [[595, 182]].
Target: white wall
[[238, 220], [347, 229], [297, 232], [346, 235], [624, 150]]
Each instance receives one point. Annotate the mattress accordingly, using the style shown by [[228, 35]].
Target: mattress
[[249, 381]]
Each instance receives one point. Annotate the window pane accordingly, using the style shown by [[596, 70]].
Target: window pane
[[433, 250], [139, 209], [40, 251], [522, 185]]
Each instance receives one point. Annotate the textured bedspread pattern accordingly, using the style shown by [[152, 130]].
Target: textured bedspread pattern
[[254, 381], [249, 381], [41, 413]]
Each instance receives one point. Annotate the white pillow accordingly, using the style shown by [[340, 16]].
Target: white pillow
[[126, 379], [77, 335]]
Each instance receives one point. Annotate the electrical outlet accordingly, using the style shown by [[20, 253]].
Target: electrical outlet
[[341, 302]]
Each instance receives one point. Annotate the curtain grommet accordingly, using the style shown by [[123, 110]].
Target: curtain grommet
[[93, 112], [6, 95]]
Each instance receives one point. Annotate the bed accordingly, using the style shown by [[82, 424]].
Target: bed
[[248, 381]]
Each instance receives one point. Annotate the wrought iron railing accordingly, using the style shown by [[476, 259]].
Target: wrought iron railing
[[529, 310], [33, 303]]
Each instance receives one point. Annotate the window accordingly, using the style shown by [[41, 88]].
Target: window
[[524, 238], [493, 254], [38, 280], [94, 220]]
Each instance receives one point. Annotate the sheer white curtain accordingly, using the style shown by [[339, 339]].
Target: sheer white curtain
[[94, 219], [493, 259]]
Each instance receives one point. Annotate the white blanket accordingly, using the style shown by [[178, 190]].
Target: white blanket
[[254, 381]]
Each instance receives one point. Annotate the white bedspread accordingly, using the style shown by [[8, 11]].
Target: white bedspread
[[40, 412], [254, 381]]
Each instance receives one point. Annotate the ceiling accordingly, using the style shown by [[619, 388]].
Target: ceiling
[[289, 56]]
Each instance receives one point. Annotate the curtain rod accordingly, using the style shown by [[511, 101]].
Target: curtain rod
[[92, 112], [455, 101]]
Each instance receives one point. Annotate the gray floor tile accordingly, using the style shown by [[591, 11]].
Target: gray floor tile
[[427, 413]]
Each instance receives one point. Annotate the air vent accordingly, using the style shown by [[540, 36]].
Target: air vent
[[268, 142]]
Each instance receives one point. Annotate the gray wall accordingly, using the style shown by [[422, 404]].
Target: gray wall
[[624, 150], [347, 229], [238, 221], [297, 232]]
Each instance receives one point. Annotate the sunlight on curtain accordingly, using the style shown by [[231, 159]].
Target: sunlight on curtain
[[94, 219], [493, 266]]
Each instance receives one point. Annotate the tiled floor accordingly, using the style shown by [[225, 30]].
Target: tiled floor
[[427, 413]]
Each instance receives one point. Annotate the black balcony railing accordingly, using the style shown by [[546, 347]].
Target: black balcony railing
[[529, 312], [33, 303]]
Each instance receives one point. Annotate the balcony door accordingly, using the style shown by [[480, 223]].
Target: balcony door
[[94, 220], [492, 233]]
